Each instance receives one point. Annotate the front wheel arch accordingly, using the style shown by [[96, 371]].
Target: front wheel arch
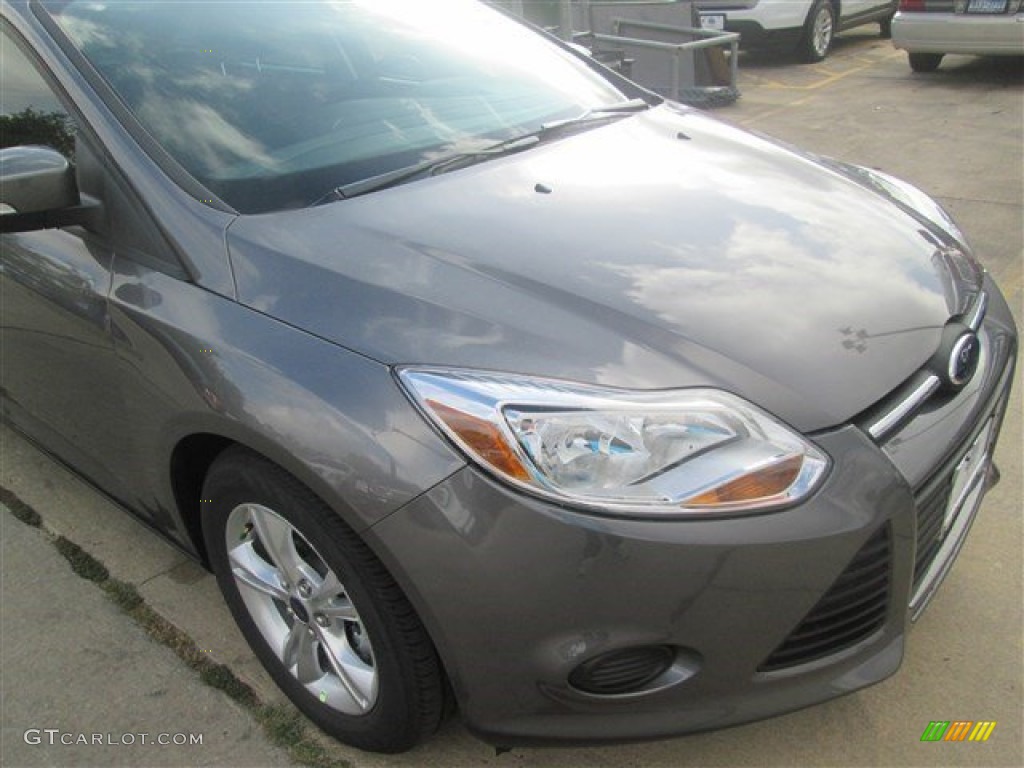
[[191, 459], [191, 455], [239, 476]]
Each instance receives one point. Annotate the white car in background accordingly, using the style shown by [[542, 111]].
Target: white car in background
[[929, 29], [807, 26]]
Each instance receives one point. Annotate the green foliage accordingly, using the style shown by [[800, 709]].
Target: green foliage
[[19, 508], [125, 595], [31, 126], [82, 563]]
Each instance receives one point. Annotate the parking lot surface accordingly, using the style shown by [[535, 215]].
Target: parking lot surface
[[956, 134]]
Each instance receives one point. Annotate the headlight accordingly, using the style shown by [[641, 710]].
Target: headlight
[[678, 451]]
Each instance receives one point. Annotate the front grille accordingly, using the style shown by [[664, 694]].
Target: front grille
[[931, 509], [897, 408], [854, 608]]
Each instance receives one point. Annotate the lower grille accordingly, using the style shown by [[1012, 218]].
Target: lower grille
[[854, 608], [931, 509]]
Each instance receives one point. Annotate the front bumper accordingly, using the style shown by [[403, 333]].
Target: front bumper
[[754, 35], [959, 33], [517, 593]]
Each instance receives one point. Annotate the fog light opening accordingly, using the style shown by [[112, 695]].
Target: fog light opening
[[622, 671]]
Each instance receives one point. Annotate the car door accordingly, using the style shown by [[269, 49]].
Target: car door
[[853, 9], [82, 371], [58, 363]]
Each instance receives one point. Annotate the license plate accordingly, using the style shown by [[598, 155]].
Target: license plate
[[986, 6], [969, 477], [715, 21]]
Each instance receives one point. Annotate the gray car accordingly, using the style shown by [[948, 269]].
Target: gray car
[[480, 376]]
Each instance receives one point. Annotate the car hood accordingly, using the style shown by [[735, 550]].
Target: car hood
[[668, 249]]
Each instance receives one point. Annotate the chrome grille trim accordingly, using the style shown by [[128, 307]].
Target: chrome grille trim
[[922, 392], [904, 408], [977, 315]]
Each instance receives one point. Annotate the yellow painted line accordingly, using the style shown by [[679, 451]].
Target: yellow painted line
[[836, 76], [813, 87]]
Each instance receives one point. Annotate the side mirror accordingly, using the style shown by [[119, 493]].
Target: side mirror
[[34, 179], [38, 191]]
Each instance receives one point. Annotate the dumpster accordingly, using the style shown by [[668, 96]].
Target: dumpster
[[657, 43]]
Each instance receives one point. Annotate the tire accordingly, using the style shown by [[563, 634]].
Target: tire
[[885, 28], [924, 62], [819, 31], [303, 586]]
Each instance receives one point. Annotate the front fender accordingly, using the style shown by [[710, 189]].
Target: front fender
[[198, 363]]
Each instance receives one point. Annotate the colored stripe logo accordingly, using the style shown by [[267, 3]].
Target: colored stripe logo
[[958, 730]]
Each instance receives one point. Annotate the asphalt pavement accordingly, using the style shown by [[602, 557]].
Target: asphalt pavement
[[73, 665]]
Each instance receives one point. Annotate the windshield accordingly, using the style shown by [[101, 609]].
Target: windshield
[[269, 104]]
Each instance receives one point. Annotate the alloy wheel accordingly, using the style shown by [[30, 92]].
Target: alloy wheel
[[821, 32], [302, 609]]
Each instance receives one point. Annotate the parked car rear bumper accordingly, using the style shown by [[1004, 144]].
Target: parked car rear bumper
[[959, 33]]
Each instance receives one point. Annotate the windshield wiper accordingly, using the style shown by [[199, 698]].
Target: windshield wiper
[[596, 114], [464, 157], [430, 167]]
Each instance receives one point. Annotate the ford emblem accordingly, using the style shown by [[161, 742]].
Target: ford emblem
[[963, 359]]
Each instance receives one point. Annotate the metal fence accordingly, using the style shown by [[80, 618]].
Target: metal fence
[[657, 43]]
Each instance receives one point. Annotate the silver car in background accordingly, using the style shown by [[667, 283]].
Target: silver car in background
[[929, 29]]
